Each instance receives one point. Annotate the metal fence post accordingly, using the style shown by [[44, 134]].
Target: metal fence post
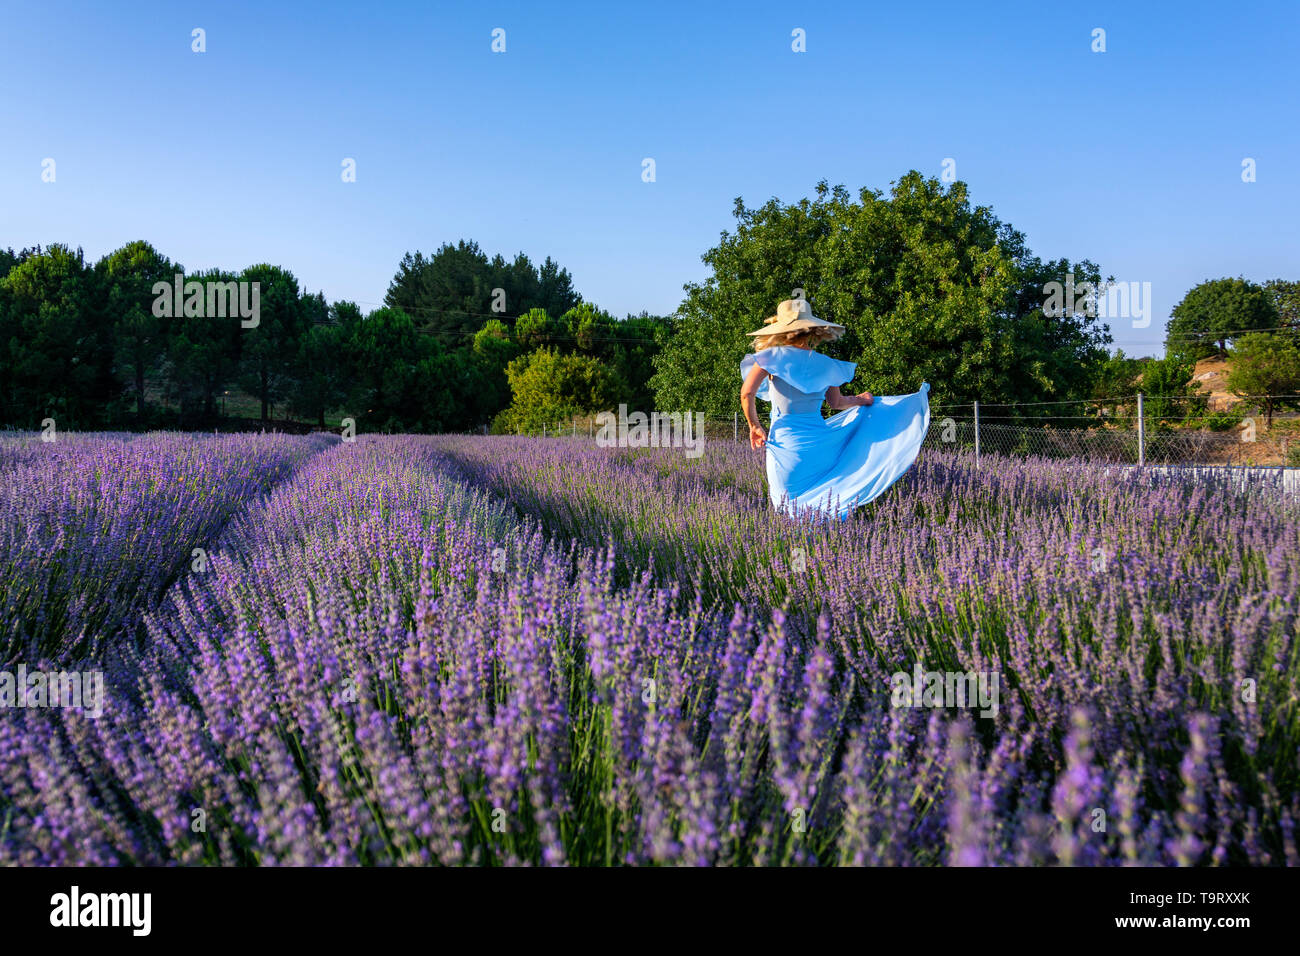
[[977, 434], [575, 427], [1142, 434]]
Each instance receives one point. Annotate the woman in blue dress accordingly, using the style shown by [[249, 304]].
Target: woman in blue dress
[[824, 466]]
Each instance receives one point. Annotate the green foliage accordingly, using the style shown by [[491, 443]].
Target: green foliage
[[1214, 313], [267, 351], [320, 382], [1117, 377], [549, 387], [400, 379], [927, 286], [624, 349], [202, 358], [450, 292], [1168, 393], [127, 277], [630, 352], [494, 349], [1266, 365], [536, 329], [451, 295], [384, 351], [1221, 421], [1286, 300], [85, 346], [928, 289], [9, 258], [56, 354]]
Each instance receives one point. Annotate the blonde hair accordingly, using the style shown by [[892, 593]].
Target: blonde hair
[[808, 337]]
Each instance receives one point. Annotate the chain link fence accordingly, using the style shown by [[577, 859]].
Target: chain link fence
[[1166, 431], [1114, 444], [1163, 431]]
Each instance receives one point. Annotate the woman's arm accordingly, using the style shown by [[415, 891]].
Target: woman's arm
[[836, 400], [748, 401]]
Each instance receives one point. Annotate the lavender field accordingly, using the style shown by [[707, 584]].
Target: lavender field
[[505, 651]]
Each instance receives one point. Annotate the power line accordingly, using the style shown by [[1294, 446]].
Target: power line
[[1017, 418], [486, 315], [1205, 395], [1072, 401], [551, 336], [1107, 401], [1214, 336], [1190, 335]]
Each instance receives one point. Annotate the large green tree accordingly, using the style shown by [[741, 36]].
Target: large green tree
[[1266, 366], [402, 379], [9, 258], [537, 329], [631, 350], [549, 387], [56, 349], [1286, 300], [1214, 313], [627, 347], [320, 376], [268, 351], [928, 288], [202, 356], [127, 277], [452, 291]]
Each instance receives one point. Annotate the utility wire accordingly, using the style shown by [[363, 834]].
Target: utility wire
[[1189, 336]]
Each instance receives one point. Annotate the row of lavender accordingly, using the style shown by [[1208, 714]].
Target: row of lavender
[[379, 665], [1155, 618], [93, 527]]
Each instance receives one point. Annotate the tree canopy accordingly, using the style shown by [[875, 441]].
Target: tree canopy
[[451, 292], [85, 344], [927, 287], [1215, 313], [1266, 366]]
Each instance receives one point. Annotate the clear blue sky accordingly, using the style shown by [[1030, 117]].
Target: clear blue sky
[[1130, 157]]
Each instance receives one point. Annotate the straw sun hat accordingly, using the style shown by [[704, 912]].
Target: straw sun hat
[[793, 315]]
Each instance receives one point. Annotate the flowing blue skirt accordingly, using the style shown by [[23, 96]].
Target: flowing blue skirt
[[829, 466]]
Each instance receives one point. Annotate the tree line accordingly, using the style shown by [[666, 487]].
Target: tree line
[[928, 287], [931, 288], [85, 343]]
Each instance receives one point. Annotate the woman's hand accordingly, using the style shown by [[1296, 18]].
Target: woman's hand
[[749, 402], [837, 399]]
